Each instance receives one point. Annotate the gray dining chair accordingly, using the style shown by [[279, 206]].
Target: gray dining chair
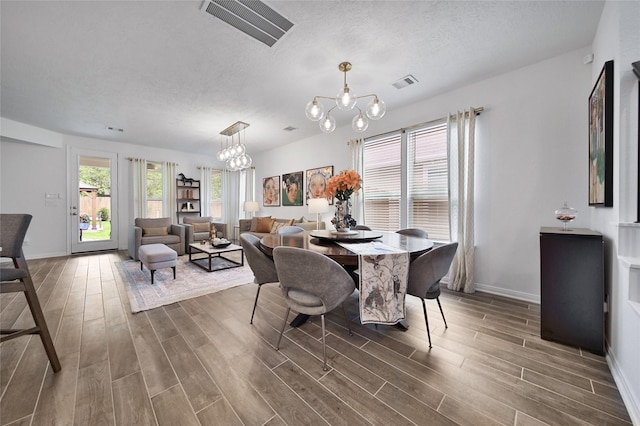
[[425, 274], [312, 284], [361, 228], [13, 228], [415, 232], [262, 266], [286, 230]]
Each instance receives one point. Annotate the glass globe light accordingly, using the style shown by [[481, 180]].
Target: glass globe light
[[314, 110], [359, 123], [220, 155], [376, 109], [346, 99], [231, 164], [244, 161], [241, 149], [328, 124]]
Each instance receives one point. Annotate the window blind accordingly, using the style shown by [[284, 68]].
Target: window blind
[[427, 181], [382, 182]]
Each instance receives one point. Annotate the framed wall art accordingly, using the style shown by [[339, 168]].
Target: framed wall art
[[317, 182], [601, 139], [292, 189], [271, 191]]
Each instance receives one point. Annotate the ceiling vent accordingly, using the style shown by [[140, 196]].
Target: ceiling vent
[[252, 17], [405, 81], [290, 129]]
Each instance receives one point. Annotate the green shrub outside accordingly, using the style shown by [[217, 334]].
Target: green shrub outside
[[103, 213]]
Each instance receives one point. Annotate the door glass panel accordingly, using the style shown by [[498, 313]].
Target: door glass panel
[[94, 216]]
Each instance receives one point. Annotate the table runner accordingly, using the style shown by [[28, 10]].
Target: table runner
[[383, 272]]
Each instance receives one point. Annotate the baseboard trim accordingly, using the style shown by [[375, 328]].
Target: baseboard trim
[[499, 291], [631, 400]]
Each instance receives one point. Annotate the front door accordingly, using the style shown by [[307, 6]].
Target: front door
[[93, 209]]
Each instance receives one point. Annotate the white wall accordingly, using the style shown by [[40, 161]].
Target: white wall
[[531, 157], [29, 170], [618, 38]]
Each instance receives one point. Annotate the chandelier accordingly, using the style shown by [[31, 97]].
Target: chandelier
[[235, 155], [345, 100]]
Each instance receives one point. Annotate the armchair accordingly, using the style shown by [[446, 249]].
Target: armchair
[[194, 231], [156, 231]]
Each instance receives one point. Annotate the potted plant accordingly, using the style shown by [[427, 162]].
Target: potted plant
[[84, 221]]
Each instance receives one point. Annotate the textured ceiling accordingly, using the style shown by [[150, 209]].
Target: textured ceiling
[[173, 76]]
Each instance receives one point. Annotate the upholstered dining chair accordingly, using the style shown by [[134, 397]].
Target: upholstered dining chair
[[425, 274], [312, 284], [262, 266], [13, 228], [361, 228], [292, 229], [415, 232]]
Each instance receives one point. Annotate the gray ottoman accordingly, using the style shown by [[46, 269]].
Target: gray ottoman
[[156, 256]]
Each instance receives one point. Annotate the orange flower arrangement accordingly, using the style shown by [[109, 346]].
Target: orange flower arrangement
[[343, 185]]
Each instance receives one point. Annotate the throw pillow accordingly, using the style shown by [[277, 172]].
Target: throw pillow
[[277, 225], [155, 232], [291, 222], [201, 227], [254, 223], [264, 224]]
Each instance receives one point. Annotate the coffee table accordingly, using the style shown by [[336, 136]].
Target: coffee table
[[212, 253]]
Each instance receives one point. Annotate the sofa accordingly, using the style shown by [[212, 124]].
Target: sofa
[[258, 225], [156, 231], [198, 228]]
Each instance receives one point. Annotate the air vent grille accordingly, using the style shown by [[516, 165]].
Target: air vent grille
[[290, 129], [252, 17], [405, 81]]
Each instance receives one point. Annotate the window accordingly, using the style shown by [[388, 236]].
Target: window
[[154, 189], [428, 181], [381, 178], [215, 196], [408, 190]]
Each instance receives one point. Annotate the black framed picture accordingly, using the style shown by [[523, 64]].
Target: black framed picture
[[601, 139], [271, 191], [292, 189]]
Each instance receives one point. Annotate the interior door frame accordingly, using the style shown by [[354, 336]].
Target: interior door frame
[[74, 245]]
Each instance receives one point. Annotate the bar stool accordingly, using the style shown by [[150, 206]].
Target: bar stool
[[13, 228]]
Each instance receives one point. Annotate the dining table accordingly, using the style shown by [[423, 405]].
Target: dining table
[[328, 243]]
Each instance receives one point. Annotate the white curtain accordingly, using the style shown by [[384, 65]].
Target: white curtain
[[230, 191], [139, 190], [461, 140], [169, 191], [357, 164], [250, 184], [205, 190]]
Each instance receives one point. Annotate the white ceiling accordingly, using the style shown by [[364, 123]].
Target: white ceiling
[[173, 76]]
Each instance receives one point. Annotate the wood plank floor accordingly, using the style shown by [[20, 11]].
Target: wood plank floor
[[201, 362]]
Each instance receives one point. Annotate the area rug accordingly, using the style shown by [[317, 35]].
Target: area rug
[[191, 281]]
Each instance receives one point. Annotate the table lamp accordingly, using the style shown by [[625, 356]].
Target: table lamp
[[251, 206], [317, 206]]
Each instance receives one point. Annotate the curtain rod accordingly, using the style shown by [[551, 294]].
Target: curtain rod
[[150, 161], [424, 123], [213, 168]]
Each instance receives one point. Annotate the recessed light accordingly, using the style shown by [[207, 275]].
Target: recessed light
[[115, 129]]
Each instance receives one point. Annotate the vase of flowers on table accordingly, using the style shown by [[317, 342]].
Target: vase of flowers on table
[[342, 186]]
